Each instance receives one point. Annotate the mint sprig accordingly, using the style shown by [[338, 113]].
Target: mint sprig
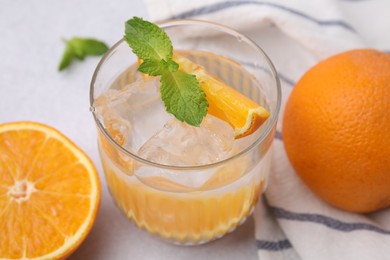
[[79, 48], [181, 92]]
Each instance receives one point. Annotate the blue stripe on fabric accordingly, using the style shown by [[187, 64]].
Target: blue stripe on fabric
[[286, 80], [327, 221], [282, 77], [273, 245], [213, 8], [278, 135]]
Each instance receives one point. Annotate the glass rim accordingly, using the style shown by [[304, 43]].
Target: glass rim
[[273, 119]]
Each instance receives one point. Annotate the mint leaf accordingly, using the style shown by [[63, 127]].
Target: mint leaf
[[172, 66], [67, 57], [88, 46], [183, 97], [79, 48], [181, 93], [156, 68], [153, 67], [147, 40]]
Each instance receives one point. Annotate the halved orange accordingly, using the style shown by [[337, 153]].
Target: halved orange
[[226, 103], [49, 193]]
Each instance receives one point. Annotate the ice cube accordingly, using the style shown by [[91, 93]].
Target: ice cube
[[180, 144], [135, 111]]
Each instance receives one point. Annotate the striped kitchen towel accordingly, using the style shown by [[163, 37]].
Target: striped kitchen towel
[[291, 222]]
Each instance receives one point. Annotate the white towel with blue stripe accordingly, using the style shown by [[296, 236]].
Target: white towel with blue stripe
[[291, 222]]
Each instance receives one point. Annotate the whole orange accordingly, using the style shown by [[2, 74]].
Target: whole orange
[[336, 130]]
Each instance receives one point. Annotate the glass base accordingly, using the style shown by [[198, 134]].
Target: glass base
[[187, 243]]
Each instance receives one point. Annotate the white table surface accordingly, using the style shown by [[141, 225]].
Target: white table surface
[[32, 89]]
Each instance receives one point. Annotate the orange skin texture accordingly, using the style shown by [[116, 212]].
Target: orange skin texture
[[336, 130]]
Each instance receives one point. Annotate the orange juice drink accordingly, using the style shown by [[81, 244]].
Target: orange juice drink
[[184, 214], [186, 184]]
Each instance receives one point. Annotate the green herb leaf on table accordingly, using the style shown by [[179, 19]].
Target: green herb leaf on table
[[181, 92], [79, 48], [66, 58]]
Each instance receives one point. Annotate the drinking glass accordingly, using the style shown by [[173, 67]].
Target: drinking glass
[[186, 204]]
